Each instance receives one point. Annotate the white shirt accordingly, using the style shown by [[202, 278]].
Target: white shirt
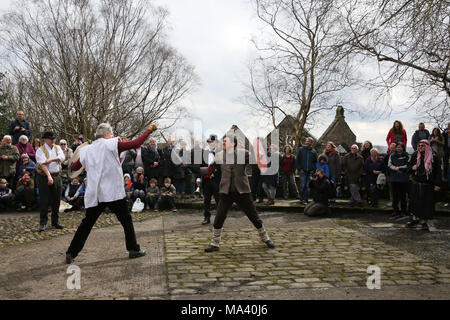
[[55, 152], [104, 172]]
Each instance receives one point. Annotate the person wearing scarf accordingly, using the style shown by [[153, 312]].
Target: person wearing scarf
[[426, 179]]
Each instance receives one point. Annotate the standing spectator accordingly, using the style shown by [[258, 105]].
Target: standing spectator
[[270, 181], [374, 165], [168, 166], [196, 161], [152, 194], [25, 194], [128, 185], [365, 150], [353, 168], [334, 163], [322, 163], [392, 150], [306, 165], [446, 150], [24, 147], [139, 160], [437, 142], [49, 158], [36, 145], [420, 134], [426, 180], [287, 168], [19, 127], [6, 196], [167, 195], [9, 155], [68, 153], [398, 171], [396, 135], [210, 181], [27, 165], [180, 173], [151, 156], [78, 142], [257, 189], [128, 158]]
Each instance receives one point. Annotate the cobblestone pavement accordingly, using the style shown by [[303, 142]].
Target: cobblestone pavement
[[313, 258]]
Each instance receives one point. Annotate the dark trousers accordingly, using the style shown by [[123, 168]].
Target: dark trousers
[[399, 190], [372, 195], [49, 196], [257, 189], [120, 209], [210, 189], [244, 201], [165, 201], [446, 158]]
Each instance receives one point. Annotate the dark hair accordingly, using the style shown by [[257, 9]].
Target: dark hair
[[438, 130], [153, 180], [400, 130], [287, 146], [167, 180], [232, 137], [401, 145]]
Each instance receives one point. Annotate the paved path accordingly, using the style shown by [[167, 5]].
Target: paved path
[[314, 259]]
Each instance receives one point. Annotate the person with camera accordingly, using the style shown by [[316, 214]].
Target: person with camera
[[322, 191]]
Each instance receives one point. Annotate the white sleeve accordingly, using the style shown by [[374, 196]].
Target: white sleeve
[[60, 154], [40, 156]]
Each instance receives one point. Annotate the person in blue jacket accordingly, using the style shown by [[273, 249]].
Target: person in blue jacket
[[305, 163]]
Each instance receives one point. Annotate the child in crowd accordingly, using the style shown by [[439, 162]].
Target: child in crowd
[[72, 195], [6, 196], [128, 185], [322, 163], [152, 194], [25, 196], [168, 192], [198, 187]]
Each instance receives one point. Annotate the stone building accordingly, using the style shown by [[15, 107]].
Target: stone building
[[242, 139], [287, 133], [339, 132]]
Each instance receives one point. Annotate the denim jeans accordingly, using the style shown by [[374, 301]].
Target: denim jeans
[[304, 185]]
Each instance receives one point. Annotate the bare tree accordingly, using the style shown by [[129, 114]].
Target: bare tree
[[410, 41], [76, 63], [300, 68]]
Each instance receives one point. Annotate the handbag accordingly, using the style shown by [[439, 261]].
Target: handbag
[[138, 206], [381, 179]]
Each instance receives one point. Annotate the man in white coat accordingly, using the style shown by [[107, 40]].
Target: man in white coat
[[105, 187]]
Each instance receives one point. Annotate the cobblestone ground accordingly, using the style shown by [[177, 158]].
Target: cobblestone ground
[[16, 229], [313, 258], [304, 258]]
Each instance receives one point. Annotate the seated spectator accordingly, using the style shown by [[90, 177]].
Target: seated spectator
[[24, 148], [72, 195], [373, 166], [167, 195], [139, 184], [198, 187], [322, 191], [128, 185], [6, 196], [25, 193], [322, 163], [27, 165], [152, 193]]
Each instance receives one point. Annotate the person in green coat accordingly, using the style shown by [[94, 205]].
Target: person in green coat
[[9, 155]]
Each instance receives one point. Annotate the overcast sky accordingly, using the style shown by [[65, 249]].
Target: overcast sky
[[214, 36]]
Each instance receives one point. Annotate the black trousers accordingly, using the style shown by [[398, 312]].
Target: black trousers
[[399, 190], [244, 201], [257, 189], [210, 189], [49, 196], [120, 209], [165, 201]]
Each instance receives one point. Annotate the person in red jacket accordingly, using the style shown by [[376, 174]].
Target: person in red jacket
[[396, 134]]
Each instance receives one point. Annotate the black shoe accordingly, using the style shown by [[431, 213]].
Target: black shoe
[[206, 221], [42, 227], [69, 258], [412, 224], [211, 248], [270, 244], [58, 226], [136, 254]]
